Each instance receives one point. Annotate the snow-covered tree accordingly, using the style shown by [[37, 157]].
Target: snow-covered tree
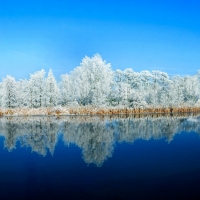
[[68, 91], [1, 94], [191, 88], [22, 89], [9, 97], [92, 80], [36, 89], [175, 93], [51, 92]]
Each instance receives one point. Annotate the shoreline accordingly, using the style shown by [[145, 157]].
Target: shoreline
[[95, 111]]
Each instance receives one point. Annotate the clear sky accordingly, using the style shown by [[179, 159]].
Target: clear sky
[[142, 34]]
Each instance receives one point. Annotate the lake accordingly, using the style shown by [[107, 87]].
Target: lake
[[100, 157]]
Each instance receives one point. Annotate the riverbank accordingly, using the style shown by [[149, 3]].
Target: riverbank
[[90, 110]]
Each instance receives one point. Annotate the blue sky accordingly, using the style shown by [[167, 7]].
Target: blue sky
[[143, 35]]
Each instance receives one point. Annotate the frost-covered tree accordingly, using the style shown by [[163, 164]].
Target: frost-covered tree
[[9, 97], [22, 89], [68, 89], [36, 89], [92, 80], [160, 85], [116, 94], [175, 93], [191, 89], [51, 92], [128, 89], [1, 94]]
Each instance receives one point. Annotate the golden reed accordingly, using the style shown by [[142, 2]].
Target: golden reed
[[130, 111], [91, 110]]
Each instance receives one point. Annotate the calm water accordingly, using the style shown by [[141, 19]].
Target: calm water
[[100, 157]]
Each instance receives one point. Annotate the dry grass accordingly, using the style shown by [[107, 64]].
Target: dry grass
[[91, 110], [129, 111]]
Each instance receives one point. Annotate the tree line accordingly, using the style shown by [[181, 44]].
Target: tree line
[[95, 83]]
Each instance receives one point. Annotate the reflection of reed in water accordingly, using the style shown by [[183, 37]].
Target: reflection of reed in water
[[96, 136]]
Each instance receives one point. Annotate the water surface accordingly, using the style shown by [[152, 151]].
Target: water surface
[[138, 157]]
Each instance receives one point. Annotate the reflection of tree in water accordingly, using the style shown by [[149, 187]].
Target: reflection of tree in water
[[130, 130], [39, 134], [42, 135], [95, 136], [10, 134]]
